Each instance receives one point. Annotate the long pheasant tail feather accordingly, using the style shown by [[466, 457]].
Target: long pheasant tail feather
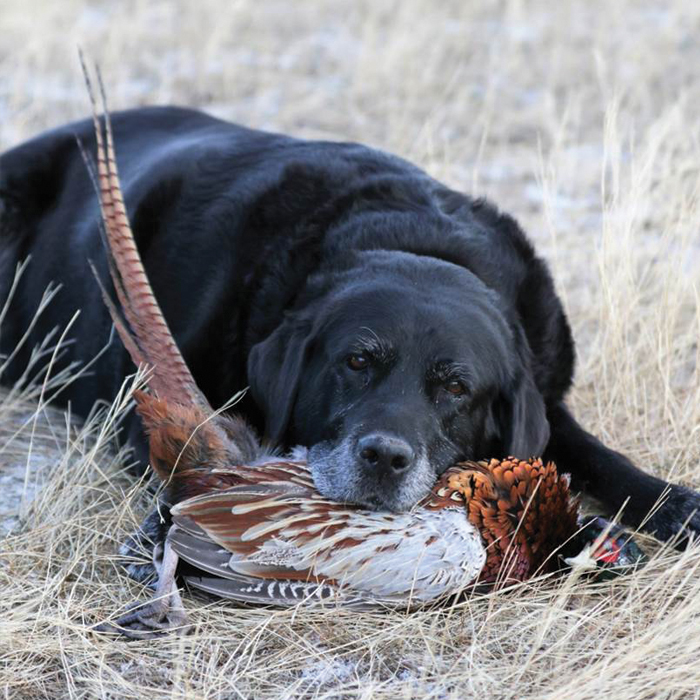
[[101, 181], [129, 341], [142, 327]]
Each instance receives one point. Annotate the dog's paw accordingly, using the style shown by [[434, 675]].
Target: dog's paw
[[678, 519]]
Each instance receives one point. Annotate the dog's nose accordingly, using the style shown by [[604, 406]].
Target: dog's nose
[[385, 453]]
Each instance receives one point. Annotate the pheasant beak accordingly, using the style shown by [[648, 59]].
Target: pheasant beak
[[608, 550], [583, 561]]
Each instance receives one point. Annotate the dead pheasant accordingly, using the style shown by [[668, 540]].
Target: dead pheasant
[[264, 534], [253, 528]]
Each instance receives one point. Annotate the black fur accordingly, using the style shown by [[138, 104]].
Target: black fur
[[386, 322]]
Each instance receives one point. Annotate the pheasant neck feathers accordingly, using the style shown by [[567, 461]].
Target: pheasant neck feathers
[[523, 510]]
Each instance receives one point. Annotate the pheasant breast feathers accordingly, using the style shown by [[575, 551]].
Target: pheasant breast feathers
[[522, 508]]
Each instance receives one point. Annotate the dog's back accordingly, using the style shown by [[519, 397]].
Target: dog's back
[[216, 210]]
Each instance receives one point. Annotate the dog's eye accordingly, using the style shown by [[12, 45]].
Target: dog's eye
[[357, 361], [455, 387]]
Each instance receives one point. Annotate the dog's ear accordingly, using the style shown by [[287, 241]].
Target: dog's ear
[[521, 413], [275, 366], [523, 421]]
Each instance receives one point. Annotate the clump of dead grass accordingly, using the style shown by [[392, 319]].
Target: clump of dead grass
[[633, 637], [580, 119]]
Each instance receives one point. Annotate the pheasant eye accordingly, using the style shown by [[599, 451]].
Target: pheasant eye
[[357, 361], [455, 387]]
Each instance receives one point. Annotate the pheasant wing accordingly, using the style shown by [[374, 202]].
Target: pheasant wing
[[272, 532], [216, 576]]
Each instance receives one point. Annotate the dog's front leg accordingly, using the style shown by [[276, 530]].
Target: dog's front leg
[[666, 510]]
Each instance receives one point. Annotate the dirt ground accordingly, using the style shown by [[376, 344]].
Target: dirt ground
[[582, 119]]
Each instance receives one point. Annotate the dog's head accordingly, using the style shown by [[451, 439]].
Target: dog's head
[[391, 371]]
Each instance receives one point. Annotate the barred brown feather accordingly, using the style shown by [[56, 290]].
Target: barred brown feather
[[149, 329], [146, 334]]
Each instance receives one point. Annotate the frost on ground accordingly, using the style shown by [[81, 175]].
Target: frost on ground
[[580, 119], [29, 443]]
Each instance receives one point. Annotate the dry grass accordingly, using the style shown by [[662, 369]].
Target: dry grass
[[582, 119]]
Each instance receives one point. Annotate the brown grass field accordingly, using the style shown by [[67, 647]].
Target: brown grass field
[[582, 119]]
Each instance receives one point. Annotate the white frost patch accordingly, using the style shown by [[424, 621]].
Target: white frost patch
[[19, 484], [22, 476], [329, 672]]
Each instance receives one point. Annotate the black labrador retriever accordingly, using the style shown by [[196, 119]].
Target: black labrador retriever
[[387, 323]]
